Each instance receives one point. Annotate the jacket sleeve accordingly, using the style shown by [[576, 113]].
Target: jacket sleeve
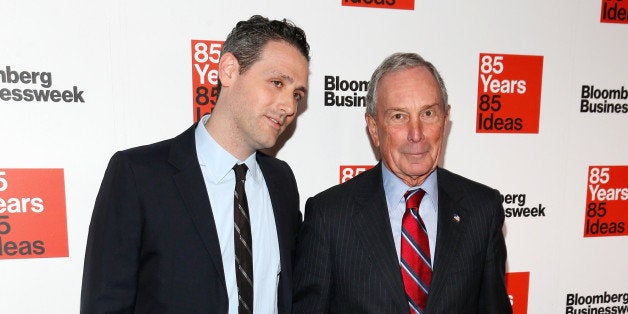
[[312, 272], [493, 295], [113, 244]]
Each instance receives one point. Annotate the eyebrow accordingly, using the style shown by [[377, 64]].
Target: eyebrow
[[437, 105], [289, 79]]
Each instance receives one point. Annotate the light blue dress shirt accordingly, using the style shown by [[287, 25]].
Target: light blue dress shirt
[[395, 189], [216, 164]]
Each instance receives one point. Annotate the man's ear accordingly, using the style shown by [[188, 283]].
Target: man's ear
[[446, 124], [228, 69], [372, 128]]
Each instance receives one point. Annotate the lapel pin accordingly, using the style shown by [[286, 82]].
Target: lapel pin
[[456, 218]]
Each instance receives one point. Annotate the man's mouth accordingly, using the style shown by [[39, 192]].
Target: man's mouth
[[276, 121]]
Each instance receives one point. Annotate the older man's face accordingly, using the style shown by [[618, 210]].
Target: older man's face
[[409, 125]]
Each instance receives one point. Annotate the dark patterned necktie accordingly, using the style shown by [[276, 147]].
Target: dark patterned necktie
[[416, 266], [243, 243]]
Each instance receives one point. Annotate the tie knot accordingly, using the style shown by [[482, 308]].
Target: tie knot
[[414, 197], [240, 171]]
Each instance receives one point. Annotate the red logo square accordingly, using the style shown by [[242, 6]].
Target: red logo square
[[205, 58], [380, 4], [517, 285], [614, 11], [32, 214], [348, 172], [509, 93], [606, 210]]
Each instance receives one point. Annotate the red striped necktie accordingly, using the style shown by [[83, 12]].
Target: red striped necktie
[[416, 265]]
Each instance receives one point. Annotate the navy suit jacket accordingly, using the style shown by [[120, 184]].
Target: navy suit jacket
[[346, 261], [153, 245]]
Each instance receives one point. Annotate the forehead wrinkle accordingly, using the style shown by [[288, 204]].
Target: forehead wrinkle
[[402, 109], [422, 107]]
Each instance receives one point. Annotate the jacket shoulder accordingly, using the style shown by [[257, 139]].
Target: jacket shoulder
[[182, 144], [447, 177], [370, 180]]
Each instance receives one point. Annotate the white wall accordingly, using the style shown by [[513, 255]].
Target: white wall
[[133, 62]]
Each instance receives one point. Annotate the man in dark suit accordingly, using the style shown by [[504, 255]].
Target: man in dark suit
[[165, 236], [363, 248]]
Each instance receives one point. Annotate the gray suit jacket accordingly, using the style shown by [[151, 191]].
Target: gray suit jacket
[[346, 260]]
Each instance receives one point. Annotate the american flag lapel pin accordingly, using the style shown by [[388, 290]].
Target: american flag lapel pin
[[456, 218]]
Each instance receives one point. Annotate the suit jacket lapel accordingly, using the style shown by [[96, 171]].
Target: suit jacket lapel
[[189, 180], [372, 223], [283, 199], [277, 199], [448, 234]]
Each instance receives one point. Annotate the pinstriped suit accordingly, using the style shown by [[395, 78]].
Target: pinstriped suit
[[346, 260]]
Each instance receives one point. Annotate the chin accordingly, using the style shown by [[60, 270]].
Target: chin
[[419, 171], [269, 144]]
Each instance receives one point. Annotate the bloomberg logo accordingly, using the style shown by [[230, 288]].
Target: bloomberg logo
[[345, 93]]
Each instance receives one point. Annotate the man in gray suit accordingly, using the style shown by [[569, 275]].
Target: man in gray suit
[[363, 249]]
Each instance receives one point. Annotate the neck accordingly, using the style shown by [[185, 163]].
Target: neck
[[225, 133]]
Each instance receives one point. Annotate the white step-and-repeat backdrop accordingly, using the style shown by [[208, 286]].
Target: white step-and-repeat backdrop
[[538, 89]]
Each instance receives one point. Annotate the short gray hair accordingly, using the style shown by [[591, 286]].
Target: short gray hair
[[396, 62]]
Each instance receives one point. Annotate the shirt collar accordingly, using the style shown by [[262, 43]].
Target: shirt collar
[[395, 188], [219, 161]]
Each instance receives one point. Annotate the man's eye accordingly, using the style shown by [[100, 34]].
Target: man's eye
[[278, 83], [298, 96], [397, 116]]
